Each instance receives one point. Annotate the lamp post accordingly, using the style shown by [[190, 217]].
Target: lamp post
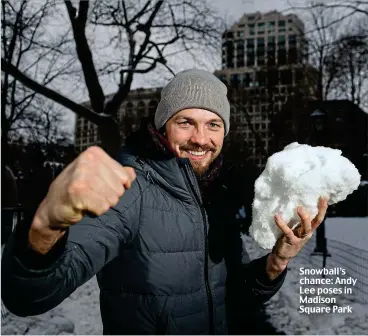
[[318, 121]]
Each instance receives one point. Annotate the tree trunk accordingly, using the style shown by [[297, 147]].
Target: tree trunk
[[109, 132]]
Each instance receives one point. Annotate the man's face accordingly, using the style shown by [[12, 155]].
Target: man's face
[[198, 135]]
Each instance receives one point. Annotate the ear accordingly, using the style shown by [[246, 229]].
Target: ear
[[163, 130]]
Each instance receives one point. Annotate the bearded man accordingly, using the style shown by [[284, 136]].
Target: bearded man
[[155, 226]]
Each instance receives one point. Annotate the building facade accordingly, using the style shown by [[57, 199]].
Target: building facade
[[263, 63], [139, 103]]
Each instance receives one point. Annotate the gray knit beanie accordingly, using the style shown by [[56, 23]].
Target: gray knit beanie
[[193, 89]]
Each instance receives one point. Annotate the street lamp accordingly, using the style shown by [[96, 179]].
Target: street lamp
[[318, 121]]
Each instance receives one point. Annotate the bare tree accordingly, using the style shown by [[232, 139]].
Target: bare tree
[[348, 61], [346, 8], [24, 113], [336, 47], [141, 36]]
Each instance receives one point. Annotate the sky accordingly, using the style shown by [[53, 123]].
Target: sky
[[236, 8]]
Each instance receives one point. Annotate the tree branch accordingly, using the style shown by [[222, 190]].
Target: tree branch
[[95, 92], [53, 95]]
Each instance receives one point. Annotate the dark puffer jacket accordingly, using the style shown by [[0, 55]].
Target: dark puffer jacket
[[166, 260]]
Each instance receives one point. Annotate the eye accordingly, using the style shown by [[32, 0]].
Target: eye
[[214, 125], [184, 123]]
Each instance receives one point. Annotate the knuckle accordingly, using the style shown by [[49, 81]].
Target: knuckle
[[77, 187], [92, 153], [120, 191], [95, 150], [113, 200], [105, 206], [81, 168], [305, 217]]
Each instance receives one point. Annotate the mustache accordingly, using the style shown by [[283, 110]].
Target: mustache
[[197, 148]]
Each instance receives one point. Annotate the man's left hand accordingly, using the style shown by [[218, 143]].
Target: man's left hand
[[292, 241]]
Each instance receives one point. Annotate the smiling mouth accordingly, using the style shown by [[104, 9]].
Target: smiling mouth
[[197, 153]]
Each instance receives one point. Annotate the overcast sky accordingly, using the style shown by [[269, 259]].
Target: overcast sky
[[236, 8]]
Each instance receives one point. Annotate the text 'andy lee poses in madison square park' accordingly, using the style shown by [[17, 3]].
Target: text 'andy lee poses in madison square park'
[[156, 225]]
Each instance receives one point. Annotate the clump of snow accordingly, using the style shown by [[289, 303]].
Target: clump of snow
[[298, 175]]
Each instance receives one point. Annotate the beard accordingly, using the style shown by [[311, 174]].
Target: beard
[[199, 167]]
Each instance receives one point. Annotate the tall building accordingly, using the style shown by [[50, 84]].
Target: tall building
[[139, 103], [263, 62]]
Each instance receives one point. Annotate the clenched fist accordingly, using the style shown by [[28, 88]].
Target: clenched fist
[[92, 183]]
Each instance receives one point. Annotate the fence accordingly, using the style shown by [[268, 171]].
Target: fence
[[9, 218], [352, 259]]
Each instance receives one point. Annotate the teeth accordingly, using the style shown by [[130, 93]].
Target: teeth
[[196, 153]]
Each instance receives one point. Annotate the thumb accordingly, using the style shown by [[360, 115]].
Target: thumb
[[132, 175]]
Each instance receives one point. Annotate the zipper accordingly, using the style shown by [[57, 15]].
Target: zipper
[[197, 196]]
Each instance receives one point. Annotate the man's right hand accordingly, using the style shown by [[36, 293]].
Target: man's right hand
[[92, 183]]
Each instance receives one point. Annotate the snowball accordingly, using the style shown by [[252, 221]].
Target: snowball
[[298, 176]]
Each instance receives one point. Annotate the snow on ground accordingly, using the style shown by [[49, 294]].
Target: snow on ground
[[351, 231], [283, 308], [80, 314]]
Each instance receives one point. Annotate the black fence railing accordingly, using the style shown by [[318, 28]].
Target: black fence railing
[[10, 217], [354, 260]]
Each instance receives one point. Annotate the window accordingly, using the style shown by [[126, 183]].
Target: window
[[271, 25], [251, 18], [292, 40], [281, 38], [141, 109], [250, 59], [129, 119], [240, 45], [152, 106], [240, 33], [261, 60], [261, 78], [247, 79], [281, 57], [271, 39], [261, 27], [250, 43], [282, 23], [292, 56], [235, 80]]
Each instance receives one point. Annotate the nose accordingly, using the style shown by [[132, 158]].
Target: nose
[[199, 136]]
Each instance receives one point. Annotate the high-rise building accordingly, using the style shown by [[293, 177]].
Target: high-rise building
[[264, 60], [139, 103]]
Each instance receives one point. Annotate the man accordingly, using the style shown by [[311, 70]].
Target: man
[[156, 228]]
